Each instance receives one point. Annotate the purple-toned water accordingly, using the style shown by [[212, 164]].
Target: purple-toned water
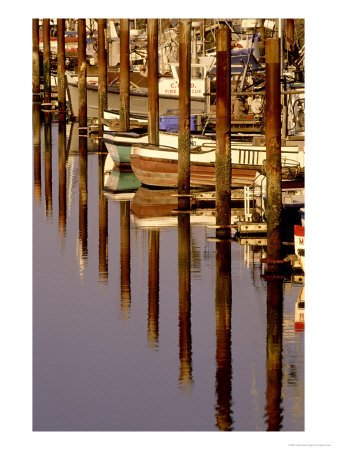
[[123, 340]]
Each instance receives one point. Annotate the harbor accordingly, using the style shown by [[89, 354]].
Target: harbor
[[168, 224]]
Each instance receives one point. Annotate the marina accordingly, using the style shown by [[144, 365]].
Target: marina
[[168, 225]]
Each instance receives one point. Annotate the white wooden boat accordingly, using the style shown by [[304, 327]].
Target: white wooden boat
[[158, 166]]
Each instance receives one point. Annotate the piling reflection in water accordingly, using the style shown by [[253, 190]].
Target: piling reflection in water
[[273, 408], [48, 166], [37, 151], [153, 289], [223, 311], [125, 258], [102, 223], [184, 270], [83, 202], [62, 180]]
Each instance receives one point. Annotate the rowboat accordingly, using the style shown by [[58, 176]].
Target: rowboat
[[158, 166]]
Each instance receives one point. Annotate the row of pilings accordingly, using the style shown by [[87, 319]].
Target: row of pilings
[[223, 108]]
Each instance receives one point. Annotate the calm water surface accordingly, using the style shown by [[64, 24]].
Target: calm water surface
[[150, 328]]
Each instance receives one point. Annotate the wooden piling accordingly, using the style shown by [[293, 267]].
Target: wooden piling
[[223, 162], [152, 49], [82, 74], [61, 81], [36, 60], [102, 72], [184, 113], [273, 148], [124, 108], [46, 61]]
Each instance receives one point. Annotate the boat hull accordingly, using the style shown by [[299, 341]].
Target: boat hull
[[158, 167], [161, 172]]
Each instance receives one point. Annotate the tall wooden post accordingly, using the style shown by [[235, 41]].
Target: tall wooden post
[[82, 74], [152, 46], [46, 61], [102, 71], [124, 108], [184, 113], [61, 81], [223, 160], [273, 148], [36, 60]]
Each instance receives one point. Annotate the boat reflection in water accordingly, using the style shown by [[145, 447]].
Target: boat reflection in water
[[223, 312], [299, 311]]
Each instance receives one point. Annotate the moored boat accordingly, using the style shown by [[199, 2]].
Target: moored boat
[[158, 166]]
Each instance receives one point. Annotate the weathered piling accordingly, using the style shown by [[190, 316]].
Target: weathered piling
[[36, 60], [152, 51], [46, 61], [125, 261], [82, 74], [184, 113], [124, 108], [102, 71], [61, 67], [37, 151], [62, 179], [273, 148], [184, 271], [223, 161], [153, 289], [274, 354], [223, 312], [83, 197], [102, 223]]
